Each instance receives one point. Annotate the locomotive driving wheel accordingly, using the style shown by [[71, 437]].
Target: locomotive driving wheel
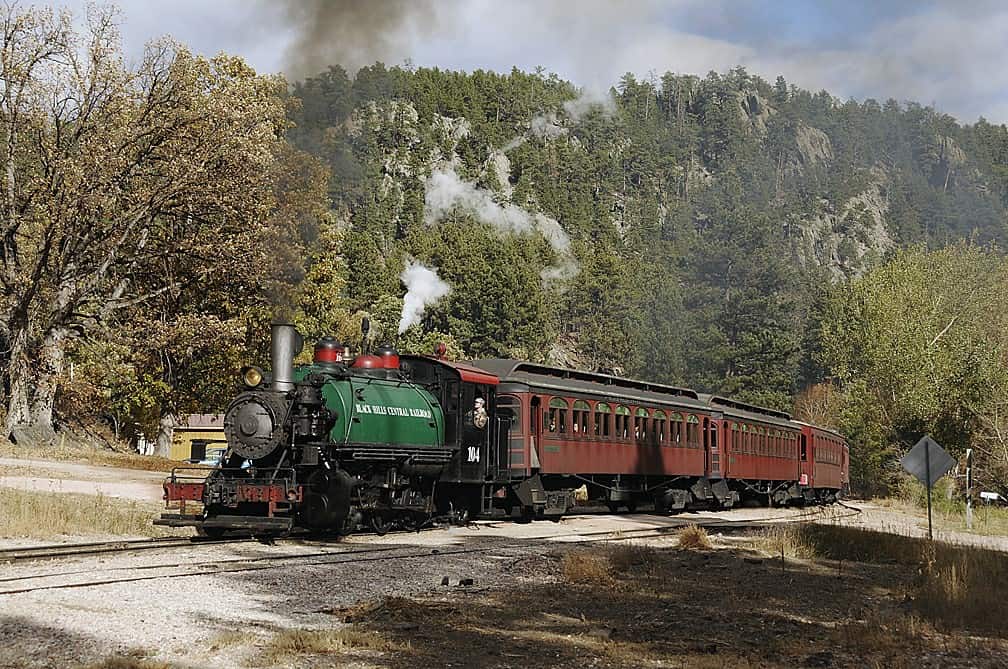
[[381, 524]]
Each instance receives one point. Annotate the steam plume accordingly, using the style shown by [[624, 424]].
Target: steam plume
[[549, 126], [353, 33], [423, 289], [590, 99], [445, 192]]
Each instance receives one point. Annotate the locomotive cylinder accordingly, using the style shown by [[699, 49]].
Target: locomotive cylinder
[[285, 343]]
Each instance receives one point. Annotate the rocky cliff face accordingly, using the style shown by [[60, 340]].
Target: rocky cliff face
[[754, 111], [815, 150], [847, 239], [844, 237]]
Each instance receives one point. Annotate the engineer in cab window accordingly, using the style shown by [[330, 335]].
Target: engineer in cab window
[[478, 416]]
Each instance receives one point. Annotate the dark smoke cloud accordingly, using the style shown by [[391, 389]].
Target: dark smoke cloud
[[354, 33]]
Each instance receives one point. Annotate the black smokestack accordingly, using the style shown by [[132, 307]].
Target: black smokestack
[[354, 33]]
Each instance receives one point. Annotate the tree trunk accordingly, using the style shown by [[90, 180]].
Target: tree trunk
[[50, 368], [166, 426], [18, 375], [34, 380]]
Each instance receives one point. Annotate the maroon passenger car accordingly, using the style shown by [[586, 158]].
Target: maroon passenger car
[[627, 442], [825, 463]]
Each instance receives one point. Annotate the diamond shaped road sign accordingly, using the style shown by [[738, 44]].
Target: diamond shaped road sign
[[927, 461]]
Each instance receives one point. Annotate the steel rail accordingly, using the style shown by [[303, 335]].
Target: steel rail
[[52, 551]]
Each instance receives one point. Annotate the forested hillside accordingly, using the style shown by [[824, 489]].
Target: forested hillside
[[710, 220], [707, 216]]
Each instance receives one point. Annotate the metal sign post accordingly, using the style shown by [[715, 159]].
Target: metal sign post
[[969, 488], [927, 468], [928, 462]]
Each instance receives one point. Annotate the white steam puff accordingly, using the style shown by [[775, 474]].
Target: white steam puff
[[447, 192], [549, 126], [423, 289], [590, 99]]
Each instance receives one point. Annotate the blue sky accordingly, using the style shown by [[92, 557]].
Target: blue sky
[[948, 54]]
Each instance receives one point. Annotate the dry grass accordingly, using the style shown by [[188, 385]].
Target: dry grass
[[949, 508], [783, 540], [297, 643], [66, 450], [891, 639], [583, 568], [134, 659], [956, 586], [962, 587], [226, 640], [45, 515], [625, 557], [728, 611], [693, 537]]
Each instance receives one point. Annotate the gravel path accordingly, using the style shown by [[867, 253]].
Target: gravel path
[[144, 492], [83, 471]]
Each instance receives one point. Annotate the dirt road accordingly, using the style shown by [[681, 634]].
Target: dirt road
[[72, 477]]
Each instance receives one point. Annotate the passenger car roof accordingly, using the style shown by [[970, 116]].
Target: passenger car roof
[[576, 381]]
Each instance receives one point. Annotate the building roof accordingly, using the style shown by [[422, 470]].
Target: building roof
[[201, 421]]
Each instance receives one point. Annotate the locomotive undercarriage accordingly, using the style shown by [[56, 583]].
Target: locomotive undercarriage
[[373, 496]]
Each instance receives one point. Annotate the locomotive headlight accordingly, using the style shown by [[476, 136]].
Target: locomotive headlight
[[252, 376]]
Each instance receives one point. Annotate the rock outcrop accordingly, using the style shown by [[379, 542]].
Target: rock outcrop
[[846, 240], [755, 111], [815, 149]]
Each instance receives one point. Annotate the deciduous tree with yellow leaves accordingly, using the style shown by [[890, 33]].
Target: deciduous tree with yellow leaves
[[121, 185]]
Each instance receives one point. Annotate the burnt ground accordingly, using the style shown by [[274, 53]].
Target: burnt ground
[[675, 608]]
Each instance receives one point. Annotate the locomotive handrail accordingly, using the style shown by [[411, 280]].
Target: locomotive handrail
[[201, 472]]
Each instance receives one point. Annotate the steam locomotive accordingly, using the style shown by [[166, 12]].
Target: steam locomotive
[[384, 441]]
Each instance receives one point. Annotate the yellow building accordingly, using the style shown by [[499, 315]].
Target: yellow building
[[198, 432]]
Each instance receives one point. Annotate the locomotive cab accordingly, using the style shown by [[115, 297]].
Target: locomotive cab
[[469, 400]]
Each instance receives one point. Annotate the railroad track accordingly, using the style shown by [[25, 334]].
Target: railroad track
[[55, 551], [129, 574]]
